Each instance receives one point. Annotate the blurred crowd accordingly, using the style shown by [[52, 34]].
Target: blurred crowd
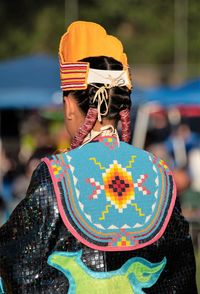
[[177, 141], [19, 156], [178, 144]]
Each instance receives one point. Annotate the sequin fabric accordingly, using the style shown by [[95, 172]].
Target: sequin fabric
[[35, 230]]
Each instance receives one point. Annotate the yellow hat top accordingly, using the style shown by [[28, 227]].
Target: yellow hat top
[[87, 39]]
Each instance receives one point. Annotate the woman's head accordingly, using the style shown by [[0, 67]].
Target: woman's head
[[81, 103]]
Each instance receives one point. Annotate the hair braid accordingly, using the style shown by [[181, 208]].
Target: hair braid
[[126, 125], [84, 130]]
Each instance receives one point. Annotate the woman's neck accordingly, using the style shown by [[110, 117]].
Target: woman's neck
[[103, 131], [105, 122]]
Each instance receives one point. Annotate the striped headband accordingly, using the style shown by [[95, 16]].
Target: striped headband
[[78, 75]]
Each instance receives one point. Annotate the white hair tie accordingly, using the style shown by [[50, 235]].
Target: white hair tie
[[101, 96]]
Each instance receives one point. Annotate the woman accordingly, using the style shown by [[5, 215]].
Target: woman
[[102, 217]]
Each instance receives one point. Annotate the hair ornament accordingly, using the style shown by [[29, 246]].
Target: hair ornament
[[101, 96], [93, 41]]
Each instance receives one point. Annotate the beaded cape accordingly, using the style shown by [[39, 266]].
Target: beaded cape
[[35, 232], [113, 197]]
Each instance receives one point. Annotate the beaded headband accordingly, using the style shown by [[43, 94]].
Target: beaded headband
[[88, 39]]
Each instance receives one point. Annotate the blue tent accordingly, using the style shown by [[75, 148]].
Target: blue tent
[[186, 94], [29, 82], [185, 97]]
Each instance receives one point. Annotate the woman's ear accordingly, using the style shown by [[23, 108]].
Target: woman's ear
[[73, 115], [69, 107]]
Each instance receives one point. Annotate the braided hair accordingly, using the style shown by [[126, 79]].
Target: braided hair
[[119, 103]]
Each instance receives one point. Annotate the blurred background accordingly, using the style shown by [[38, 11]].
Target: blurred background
[[162, 41]]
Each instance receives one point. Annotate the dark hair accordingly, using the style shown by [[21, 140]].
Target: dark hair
[[119, 103], [119, 97]]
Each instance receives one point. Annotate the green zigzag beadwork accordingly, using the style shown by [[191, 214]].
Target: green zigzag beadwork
[[135, 274]]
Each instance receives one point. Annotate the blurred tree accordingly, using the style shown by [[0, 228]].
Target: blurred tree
[[193, 31], [145, 27], [29, 26]]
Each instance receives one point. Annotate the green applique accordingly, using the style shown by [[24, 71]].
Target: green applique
[[135, 274]]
